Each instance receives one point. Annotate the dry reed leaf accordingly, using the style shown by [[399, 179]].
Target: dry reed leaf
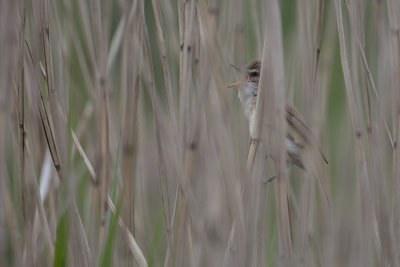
[[135, 249]]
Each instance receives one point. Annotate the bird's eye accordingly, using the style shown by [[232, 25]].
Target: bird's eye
[[254, 74]]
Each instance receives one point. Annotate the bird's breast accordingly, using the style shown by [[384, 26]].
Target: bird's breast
[[248, 101]]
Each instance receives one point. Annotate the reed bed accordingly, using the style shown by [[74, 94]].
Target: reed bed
[[120, 144]]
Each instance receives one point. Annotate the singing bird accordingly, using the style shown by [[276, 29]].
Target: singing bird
[[298, 137]]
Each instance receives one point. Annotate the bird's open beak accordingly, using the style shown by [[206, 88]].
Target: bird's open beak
[[238, 83], [235, 84]]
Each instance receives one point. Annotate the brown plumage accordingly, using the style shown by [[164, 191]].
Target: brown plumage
[[298, 134]]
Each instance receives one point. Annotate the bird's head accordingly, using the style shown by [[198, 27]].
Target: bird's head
[[251, 73]]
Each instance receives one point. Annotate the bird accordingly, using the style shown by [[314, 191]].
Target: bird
[[298, 137]]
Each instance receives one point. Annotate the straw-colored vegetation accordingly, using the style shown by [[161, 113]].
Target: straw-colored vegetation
[[120, 144]]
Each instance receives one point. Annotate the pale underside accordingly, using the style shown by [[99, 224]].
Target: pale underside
[[295, 139]]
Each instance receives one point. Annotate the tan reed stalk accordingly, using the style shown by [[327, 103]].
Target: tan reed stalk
[[367, 81], [21, 103], [156, 118], [385, 225], [273, 71], [394, 24], [208, 66], [164, 61], [256, 24], [187, 44], [318, 33], [100, 66], [361, 48], [309, 54], [310, 50], [28, 201], [181, 25], [394, 7], [186, 148], [190, 216], [170, 101], [186, 73], [130, 76], [367, 213], [181, 30], [325, 251], [259, 221], [21, 119]]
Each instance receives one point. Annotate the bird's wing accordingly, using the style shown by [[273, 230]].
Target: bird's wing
[[298, 128], [296, 122]]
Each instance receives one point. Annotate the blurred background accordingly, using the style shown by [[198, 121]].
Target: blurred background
[[120, 144]]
